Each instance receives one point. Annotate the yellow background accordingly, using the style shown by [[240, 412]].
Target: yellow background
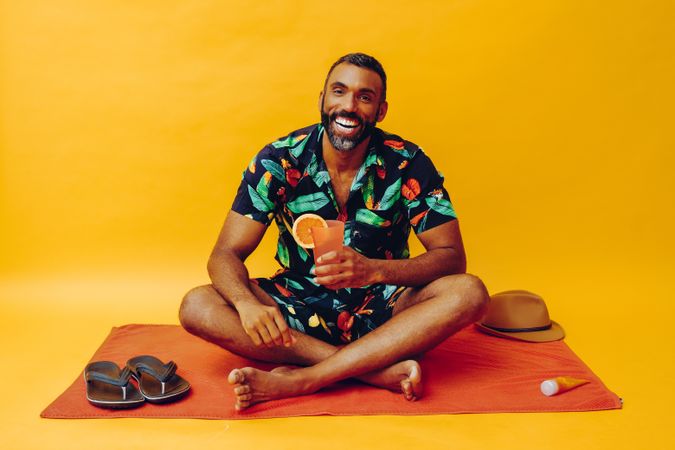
[[125, 126]]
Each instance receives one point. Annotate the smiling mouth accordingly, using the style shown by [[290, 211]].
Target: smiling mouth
[[346, 125]]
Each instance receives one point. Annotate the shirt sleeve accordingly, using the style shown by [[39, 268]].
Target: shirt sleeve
[[260, 187], [426, 201]]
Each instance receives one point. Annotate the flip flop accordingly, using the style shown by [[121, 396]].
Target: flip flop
[[157, 381], [109, 387]]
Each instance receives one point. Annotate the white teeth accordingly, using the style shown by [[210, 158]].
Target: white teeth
[[344, 129], [346, 122]]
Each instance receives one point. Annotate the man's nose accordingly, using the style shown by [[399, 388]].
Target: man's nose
[[349, 103]]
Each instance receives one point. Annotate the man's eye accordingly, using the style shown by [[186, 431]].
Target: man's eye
[[337, 91], [365, 98]]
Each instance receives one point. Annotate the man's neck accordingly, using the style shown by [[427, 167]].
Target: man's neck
[[343, 161]]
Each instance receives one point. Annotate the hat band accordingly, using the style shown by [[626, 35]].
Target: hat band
[[519, 330]]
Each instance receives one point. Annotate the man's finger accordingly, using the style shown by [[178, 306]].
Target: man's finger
[[255, 337], [332, 279], [265, 335], [273, 330], [326, 257], [328, 269], [324, 280], [329, 257], [284, 330]]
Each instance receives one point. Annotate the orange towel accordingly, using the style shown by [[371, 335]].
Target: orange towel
[[468, 373]]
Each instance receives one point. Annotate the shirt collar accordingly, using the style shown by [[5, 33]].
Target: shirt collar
[[373, 155]]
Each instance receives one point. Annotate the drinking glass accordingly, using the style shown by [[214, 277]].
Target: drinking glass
[[328, 239]]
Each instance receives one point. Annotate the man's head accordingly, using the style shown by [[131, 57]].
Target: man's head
[[353, 100], [365, 62]]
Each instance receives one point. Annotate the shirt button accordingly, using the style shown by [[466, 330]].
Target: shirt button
[[357, 234]]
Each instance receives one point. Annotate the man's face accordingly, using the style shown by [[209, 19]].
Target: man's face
[[351, 105]]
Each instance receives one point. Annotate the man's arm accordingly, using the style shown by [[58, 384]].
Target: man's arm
[[444, 256], [229, 276]]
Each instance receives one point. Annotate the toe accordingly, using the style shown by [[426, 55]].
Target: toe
[[415, 373], [407, 388], [243, 389], [415, 377], [241, 405], [236, 377]]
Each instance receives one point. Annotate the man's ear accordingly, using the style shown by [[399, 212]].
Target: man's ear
[[382, 111], [321, 102]]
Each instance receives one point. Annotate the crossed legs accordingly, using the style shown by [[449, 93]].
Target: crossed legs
[[205, 313], [423, 317]]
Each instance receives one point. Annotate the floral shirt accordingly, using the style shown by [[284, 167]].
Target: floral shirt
[[396, 188]]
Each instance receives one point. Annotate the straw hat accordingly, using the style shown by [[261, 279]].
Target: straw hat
[[520, 315]]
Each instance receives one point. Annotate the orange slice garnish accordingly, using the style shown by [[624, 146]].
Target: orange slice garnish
[[302, 229]]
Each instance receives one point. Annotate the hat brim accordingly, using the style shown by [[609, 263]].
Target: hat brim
[[555, 333]]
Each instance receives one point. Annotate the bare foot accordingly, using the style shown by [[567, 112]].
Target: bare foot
[[253, 386], [405, 377]]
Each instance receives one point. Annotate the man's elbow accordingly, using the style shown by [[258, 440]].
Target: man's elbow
[[222, 257], [211, 264], [216, 260], [458, 262], [459, 268]]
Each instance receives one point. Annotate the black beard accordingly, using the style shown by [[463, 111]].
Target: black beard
[[344, 144]]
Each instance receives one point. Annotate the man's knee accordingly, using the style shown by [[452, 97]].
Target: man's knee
[[475, 294], [472, 293], [193, 306]]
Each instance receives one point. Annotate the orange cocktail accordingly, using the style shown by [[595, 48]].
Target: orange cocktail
[[328, 239]]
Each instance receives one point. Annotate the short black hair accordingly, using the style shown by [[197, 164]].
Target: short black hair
[[365, 61]]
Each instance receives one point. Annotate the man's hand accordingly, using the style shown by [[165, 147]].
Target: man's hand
[[264, 325], [345, 268]]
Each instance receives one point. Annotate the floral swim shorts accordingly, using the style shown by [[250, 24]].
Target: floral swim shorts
[[334, 316]]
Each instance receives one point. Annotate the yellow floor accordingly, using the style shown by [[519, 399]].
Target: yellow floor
[[50, 327]]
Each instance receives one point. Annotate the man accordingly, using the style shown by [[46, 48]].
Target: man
[[381, 306]]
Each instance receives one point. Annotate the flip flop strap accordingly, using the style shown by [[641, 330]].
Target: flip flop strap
[[121, 381], [162, 373]]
